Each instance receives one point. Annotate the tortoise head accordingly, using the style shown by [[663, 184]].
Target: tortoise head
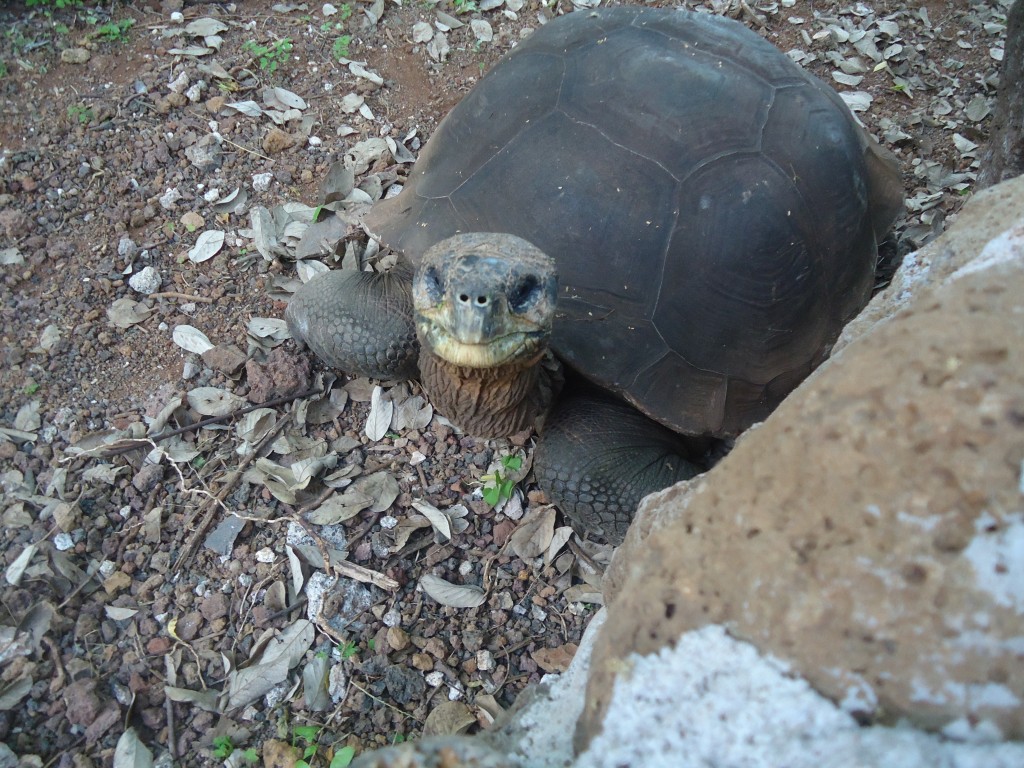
[[484, 300]]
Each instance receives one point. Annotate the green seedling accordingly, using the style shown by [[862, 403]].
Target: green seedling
[[498, 487], [308, 734], [60, 5], [114, 31], [223, 748], [343, 757], [348, 649], [31, 388], [340, 47], [270, 57], [464, 6], [80, 113]]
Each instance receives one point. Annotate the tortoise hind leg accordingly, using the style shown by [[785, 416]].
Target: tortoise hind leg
[[598, 457], [358, 322]]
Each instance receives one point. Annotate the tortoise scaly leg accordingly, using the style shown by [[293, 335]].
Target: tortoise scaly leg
[[358, 322], [598, 457]]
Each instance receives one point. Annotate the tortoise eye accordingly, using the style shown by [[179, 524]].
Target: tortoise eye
[[431, 282], [524, 294]]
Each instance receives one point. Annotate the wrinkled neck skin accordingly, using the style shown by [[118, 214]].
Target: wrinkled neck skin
[[492, 402]]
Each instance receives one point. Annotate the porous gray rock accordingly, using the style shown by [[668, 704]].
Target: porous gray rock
[[871, 532]]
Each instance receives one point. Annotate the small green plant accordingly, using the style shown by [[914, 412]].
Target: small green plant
[[308, 734], [343, 757], [81, 113], [31, 388], [464, 6], [498, 487], [270, 57], [223, 748], [340, 47], [60, 5], [348, 649], [345, 12], [114, 31], [3, 70]]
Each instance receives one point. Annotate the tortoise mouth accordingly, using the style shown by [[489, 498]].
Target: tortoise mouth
[[515, 348]]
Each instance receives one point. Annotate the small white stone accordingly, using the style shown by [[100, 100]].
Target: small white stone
[[485, 661], [265, 555], [179, 84], [146, 282], [195, 92], [177, 17], [169, 198], [261, 181], [434, 679], [388, 522], [63, 542], [315, 141], [126, 248]]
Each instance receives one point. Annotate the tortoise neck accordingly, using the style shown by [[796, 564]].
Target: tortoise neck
[[492, 402]]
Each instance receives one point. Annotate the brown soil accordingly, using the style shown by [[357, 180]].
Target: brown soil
[[88, 152]]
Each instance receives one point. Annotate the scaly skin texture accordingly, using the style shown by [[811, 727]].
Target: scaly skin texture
[[598, 457], [358, 322], [492, 401]]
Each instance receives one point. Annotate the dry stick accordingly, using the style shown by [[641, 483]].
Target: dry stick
[[365, 692], [184, 296], [148, 441], [209, 507], [172, 736]]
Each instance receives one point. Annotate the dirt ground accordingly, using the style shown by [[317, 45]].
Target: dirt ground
[[145, 582]]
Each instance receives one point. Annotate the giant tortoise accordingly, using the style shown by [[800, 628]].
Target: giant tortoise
[[663, 199]]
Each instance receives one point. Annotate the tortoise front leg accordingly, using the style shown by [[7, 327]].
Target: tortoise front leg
[[598, 457], [358, 322]]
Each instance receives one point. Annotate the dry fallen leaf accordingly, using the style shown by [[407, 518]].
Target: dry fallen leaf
[[130, 752], [437, 518], [533, 536], [381, 410], [449, 718], [211, 401], [454, 595], [191, 339], [125, 313], [208, 245], [555, 659]]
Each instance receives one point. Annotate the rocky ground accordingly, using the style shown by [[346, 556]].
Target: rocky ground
[[146, 581]]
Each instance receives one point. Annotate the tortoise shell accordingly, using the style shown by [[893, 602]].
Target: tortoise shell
[[713, 209]]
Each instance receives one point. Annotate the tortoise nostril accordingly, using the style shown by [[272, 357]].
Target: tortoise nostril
[[481, 301], [464, 298]]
